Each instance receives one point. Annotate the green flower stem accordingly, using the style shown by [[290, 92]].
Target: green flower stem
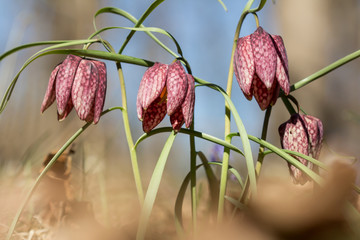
[[139, 22], [133, 156], [193, 179], [325, 70], [46, 169], [263, 137], [288, 105], [227, 128]]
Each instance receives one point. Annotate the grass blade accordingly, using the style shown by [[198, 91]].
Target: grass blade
[[153, 187]]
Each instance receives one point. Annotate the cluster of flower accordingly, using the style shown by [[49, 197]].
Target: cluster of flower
[[261, 69]]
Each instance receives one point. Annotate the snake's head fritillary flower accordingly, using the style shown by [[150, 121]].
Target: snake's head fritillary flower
[[302, 134], [261, 67], [166, 89], [78, 83]]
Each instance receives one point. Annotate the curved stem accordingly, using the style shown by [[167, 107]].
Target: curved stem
[[133, 156], [227, 130], [263, 137], [325, 70], [193, 179], [139, 22]]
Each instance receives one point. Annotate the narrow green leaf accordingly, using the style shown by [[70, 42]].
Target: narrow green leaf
[[261, 5], [223, 5], [235, 202], [135, 21], [181, 194], [32, 58], [29, 45], [325, 70], [288, 158], [243, 134], [213, 182], [140, 21], [146, 30], [153, 187], [179, 203], [189, 132], [308, 158]]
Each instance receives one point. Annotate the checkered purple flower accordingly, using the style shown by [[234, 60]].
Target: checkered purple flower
[[166, 89], [303, 134], [261, 67], [78, 83]]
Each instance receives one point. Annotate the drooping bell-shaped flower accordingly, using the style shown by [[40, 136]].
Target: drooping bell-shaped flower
[[302, 134], [261, 67], [166, 89], [78, 83]]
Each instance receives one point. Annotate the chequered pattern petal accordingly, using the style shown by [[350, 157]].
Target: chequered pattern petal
[[64, 81], [262, 94], [244, 65], [90, 116], [177, 119], [152, 84], [139, 109], [294, 137], [84, 88], [154, 114], [189, 102], [101, 91], [50, 95], [315, 130], [275, 94], [282, 68], [176, 85], [68, 108], [265, 56]]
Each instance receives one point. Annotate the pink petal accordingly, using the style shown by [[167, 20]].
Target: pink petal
[[275, 94], [265, 56], [50, 95], [139, 109], [177, 119], [282, 68], [154, 114], [293, 137], [101, 91], [244, 66], [176, 85], [68, 108], [315, 130], [262, 94], [64, 81], [185, 113], [152, 84], [84, 88], [189, 102]]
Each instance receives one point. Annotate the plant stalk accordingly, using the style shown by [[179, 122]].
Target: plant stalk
[[133, 155]]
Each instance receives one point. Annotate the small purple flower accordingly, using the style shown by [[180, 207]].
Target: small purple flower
[[261, 67], [166, 89], [303, 134], [78, 83]]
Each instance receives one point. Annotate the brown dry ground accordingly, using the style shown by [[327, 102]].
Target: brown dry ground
[[107, 208]]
